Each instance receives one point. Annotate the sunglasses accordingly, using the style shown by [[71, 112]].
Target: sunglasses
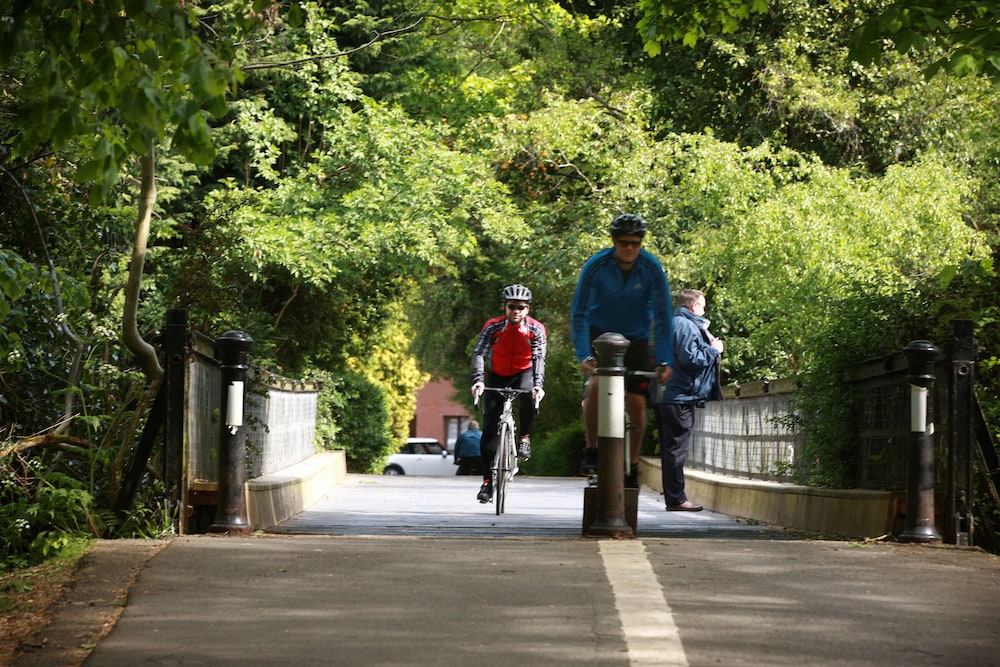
[[520, 306], [628, 244]]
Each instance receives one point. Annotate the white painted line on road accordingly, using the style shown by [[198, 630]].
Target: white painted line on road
[[651, 635]]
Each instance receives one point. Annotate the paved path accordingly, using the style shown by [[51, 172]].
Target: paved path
[[407, 571], [447, 507]]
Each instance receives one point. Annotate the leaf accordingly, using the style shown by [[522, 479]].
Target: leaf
[[965, 64], [193, 139]]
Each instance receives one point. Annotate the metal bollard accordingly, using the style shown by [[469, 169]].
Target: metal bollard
[[610, 512], [920, 356], [231, 511]]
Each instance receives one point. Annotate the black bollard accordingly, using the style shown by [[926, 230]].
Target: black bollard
[[231, 511], [609, 520], [920, 356]]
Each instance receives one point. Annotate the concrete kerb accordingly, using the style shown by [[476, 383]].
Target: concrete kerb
[[845, 512], [278, 496]]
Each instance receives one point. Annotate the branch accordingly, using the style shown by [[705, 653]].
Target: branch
[[482, 56], [145, 352], [288, 301], [614, 112], [329, 56], [552, 35], [60, 442]]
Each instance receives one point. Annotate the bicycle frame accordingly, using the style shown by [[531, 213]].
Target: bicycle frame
[[505, 459]]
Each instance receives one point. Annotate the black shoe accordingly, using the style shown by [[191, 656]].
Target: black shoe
[[632, 478], [485, 494], [588, 466]]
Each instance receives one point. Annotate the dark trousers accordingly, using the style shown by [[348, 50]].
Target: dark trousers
[[469, 466], [674, 422], [493, 406]]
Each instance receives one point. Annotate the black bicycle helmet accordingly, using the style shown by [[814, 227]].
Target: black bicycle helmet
[[516, 293], [628, 224]]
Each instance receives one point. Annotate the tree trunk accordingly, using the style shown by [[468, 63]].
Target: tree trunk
[[144, 352]]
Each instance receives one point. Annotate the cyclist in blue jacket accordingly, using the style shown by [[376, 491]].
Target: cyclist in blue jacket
[[623, 289]]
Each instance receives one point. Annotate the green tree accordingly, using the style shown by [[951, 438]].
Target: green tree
[[114, 78], [966, 31], [687, 22]]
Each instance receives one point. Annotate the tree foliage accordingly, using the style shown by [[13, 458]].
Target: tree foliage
[[966, 31], [115, 77], [687, 22]]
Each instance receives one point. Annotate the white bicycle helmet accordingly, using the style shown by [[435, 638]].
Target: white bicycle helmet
[[516, 293]]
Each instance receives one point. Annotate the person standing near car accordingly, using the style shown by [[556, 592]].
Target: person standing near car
[[467, 450], [623, 289], [510, 352], [696, 379]]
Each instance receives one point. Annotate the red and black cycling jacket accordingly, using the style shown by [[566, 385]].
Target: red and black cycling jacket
[[511, 348]]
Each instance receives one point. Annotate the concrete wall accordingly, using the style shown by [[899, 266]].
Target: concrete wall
[[846, 512], [278, 496]]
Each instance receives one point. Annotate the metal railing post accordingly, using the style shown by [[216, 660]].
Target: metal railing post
[[610, 518], [231, 511], [963, 351], [920, 356], [175, 351]]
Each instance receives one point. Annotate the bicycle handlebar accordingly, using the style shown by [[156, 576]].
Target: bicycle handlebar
[[506, 392]]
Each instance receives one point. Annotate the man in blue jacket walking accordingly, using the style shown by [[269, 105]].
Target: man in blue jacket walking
[[696, 379]]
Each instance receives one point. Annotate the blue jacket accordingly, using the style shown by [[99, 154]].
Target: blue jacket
[[609, 301], [696, 363], [467, 445]]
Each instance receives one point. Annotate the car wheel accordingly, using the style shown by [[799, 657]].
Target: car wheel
[[392, 470]]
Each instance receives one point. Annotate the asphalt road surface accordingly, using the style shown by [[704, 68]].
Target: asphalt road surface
[[413, 571]]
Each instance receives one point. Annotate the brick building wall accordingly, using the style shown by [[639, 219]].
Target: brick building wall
[[437, 414]]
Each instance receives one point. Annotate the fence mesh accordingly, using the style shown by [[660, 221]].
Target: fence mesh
[[280, 419], [750, 437]]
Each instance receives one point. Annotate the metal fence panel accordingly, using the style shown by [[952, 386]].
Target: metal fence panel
[[202, 419], [749, 434], [280, 420]]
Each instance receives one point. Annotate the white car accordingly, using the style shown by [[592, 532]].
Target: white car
[[421, 456]]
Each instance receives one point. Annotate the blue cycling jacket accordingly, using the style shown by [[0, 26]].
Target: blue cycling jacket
[[629, 304]]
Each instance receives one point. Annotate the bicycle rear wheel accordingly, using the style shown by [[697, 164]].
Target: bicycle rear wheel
[[503, 467]]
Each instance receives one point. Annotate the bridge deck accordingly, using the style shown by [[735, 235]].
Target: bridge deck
[[447, 507]]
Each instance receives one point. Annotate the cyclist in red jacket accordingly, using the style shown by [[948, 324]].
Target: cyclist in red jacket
[[514, 344]]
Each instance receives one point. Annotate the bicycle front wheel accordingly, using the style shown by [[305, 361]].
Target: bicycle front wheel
[[504, 465]]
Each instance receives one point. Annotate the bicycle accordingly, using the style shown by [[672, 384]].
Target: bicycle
[[592, 478], [505, 459]]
